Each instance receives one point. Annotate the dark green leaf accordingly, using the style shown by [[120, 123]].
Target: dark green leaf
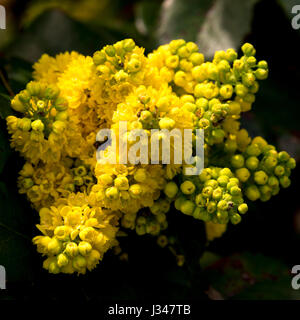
[[54, 32]]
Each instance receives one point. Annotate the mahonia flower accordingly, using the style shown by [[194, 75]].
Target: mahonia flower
[[75, 234], [85, 201]]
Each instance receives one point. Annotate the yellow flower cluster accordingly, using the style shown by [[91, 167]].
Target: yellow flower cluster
[[82, 200]]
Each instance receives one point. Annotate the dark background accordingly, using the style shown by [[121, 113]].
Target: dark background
[[253, 259]]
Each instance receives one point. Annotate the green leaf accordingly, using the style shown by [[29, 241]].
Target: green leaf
[[225, 26], [251, 276], [54, 32], [181, 19], [5, 150], [5, 109], [146, 15], [213, 25], [15, 244]]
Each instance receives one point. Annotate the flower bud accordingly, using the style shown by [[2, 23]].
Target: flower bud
[[62, 260], [187, 207], [99, 57], [24, 124], [54, 246], [71, 249], [84, 248], [37, 125]]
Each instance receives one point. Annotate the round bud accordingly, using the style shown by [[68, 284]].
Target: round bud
[[261, 74], [252, 193], [71, 249], [112, 193], [243, 174], [99, 57], [260, 177], [252, 163], [62, 260], [243, 208], [235, 218], [237, 161], [171, 189], [187, 207], [37, 125], [24, 124], [54, 246], [121, 183], [248, 49], [84, 248], [187, 187], [128, 45], [17, 105]]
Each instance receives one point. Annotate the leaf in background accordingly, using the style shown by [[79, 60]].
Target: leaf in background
[[5, 109], [181, 19], [15, 245], [251, 276], [54, 32], [4, 145], [146, 15], [213, 25], [225, 26]]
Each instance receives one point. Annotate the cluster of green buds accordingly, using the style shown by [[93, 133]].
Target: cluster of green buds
[[215, 195], [262, 170], [83, 178], [153, 221], [44, 111], [118, 60]]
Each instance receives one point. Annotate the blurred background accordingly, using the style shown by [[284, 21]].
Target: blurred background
[[252, 260]]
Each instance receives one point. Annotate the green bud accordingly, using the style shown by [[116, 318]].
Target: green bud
[[187, 187], [291, 163], [243, 208], [110, 51], [128, 45], [99, 57], [61, 104], [262, 64], [252, 163], [171, 189], [187, 207], [252, 193], [260, 177], [242, 174], [285, 181], [33, 88], [235, 218], [51, 92], [237, 161], [261, 74], [24, 96], [24, 124], [279, 171], [248, 49]]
